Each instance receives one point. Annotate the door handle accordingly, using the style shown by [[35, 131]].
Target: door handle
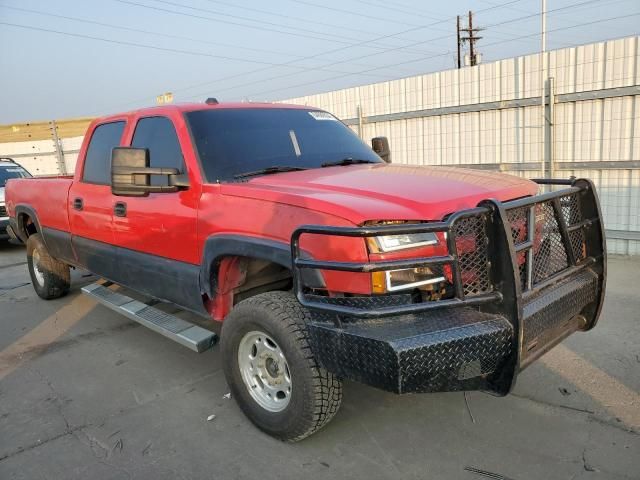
[[77, 203], [120, 209]]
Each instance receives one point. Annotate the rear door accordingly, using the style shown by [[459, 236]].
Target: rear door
[[156, 235], [91, 203]]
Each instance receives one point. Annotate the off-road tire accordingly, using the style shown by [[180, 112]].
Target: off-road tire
[[316, 393], [56, 276]]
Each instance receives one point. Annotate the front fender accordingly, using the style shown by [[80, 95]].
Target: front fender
[[219, 246]]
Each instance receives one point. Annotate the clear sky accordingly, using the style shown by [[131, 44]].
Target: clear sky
[[90, 57]]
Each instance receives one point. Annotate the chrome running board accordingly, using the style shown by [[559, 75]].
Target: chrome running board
[[191, 336]]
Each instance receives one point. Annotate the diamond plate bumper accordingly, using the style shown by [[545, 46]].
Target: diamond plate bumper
[[454, 349], [450, 349]]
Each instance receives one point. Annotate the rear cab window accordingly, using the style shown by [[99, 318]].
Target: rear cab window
[[97, 163], [159, 136]]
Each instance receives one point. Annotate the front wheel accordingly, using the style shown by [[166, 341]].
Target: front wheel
[[271, 370], [51, 278]]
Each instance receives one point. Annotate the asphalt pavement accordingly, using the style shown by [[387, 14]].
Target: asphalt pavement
[[87, 394]]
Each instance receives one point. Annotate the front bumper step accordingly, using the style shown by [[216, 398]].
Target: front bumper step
[[443, 350]]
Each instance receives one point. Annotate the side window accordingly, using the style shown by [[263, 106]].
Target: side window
[[159, 136], [97, 163]]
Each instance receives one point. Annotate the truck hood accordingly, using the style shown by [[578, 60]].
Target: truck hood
[[384, 192]]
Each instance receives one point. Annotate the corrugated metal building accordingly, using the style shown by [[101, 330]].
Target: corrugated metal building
[[490, 117]]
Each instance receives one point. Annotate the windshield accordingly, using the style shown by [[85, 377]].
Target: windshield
[[231, 142], [12, 172]]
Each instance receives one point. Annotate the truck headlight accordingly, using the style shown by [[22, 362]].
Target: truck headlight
[[392, 243], [404, 279]]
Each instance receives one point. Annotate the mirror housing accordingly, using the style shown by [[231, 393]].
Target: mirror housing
[[380, 145], [131, 173]]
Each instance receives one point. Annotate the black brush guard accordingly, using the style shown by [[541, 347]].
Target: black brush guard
[[535, 273]]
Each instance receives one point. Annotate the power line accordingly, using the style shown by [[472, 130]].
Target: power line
[[351, 12], [397, 48], [297, 19], [227, 22], [359, 44], [558, 13], [149, 32], [163, 49], [398, 7], [312, 34], [327, 52], [137, 30], [434, 56]]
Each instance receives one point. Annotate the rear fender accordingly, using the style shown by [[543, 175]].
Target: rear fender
[[21, 212]]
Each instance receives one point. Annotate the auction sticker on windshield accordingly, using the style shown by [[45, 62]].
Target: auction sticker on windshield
[[323, 116]]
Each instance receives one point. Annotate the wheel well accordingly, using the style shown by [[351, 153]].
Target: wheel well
[[237, 278], [262, 276], [27, 225]]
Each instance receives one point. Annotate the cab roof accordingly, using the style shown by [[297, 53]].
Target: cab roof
[[190, 107]]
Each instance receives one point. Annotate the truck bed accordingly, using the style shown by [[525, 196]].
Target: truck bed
[[48, 196]]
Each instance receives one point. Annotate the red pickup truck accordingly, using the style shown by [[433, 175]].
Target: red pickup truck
[[323, 260]]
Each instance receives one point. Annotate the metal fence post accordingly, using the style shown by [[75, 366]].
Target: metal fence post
[[360, 128], [549, 121], [62, 166]]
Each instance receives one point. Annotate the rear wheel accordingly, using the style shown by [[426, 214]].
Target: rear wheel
[[271, 370], [50, 277]]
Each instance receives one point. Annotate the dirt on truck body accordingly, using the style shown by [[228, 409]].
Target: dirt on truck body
[[322, 260]]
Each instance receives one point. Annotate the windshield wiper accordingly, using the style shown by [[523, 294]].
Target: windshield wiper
[[269, 170], [346, 161]]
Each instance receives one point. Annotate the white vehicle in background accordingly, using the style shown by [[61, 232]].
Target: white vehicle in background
[[8, 169]]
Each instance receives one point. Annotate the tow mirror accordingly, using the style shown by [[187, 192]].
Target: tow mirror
[[131, 173], [380, 145]]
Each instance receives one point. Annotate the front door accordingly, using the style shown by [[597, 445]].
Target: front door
[[156, 234]]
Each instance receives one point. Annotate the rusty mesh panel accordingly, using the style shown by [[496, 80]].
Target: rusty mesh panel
[[521, 258], [519, 222], [577, 244], [471, 244], [570, 206], [549, 255]]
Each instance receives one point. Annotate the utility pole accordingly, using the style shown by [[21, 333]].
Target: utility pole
[[459, 41], [543, 84], [471, 38]]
